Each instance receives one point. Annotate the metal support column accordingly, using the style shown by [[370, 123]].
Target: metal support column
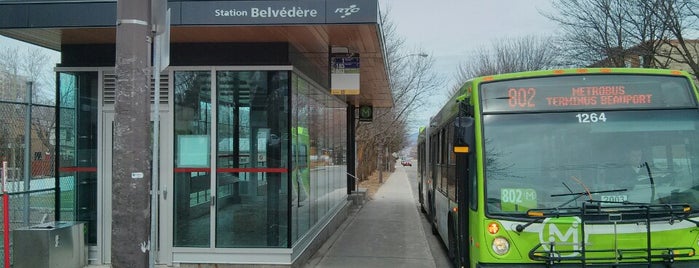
[[351, 153]]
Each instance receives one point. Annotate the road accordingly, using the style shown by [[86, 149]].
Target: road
[[439, 251]]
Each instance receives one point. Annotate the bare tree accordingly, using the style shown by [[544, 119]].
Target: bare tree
[[482, 63], [646, 30], [508, 55], [19, 67], [35, 66], [31, 64], [10, 66], [603, 32], [680, 17], [411, 79], [615, 32]]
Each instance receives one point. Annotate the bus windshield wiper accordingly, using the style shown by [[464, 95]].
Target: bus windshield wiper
[[520, 227], [590, 192], [652, 183]]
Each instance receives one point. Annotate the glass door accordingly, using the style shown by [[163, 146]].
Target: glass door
[[231, 140], [77, 150], [192, 159]]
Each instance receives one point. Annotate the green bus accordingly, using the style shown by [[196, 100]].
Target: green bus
[[566, 168]]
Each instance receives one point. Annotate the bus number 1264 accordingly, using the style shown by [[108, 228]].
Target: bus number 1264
[[591, 117]]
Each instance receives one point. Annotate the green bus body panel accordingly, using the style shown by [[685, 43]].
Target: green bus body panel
[[598, 237], [521, 243]]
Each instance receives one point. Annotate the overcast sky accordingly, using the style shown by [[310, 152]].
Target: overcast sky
[[452, 30]]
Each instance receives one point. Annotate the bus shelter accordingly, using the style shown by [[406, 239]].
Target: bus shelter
[[257, 142]]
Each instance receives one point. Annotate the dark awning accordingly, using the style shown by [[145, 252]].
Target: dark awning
[[310, 26]]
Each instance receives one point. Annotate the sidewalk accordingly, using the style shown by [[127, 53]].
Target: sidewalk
[[385, 232]]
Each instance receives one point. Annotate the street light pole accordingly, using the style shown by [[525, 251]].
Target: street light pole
[[421, 55], [379, 166]]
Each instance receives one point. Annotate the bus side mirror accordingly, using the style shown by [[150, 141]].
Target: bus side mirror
[[464, 135]]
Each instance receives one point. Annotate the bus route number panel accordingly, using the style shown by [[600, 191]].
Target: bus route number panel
[[517, 199], [587, 92]]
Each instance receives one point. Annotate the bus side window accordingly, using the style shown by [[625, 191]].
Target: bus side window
[[434, 152], [444, 160], [451, 165]]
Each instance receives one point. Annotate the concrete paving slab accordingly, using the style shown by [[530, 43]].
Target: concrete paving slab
[[385, 232]]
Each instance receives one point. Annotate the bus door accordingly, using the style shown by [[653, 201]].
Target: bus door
[[464, 144]]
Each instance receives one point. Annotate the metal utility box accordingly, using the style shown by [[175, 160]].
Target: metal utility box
[[53, 244]]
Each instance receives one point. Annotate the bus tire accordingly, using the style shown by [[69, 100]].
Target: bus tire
[[431, 217], [422, 200], [433, 227]]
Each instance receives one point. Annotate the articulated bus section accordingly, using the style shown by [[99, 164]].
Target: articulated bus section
[[566, 168]]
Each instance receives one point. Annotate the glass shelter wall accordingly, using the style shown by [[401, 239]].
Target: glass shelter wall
[[319, 150], [259, 158], [252, 158]]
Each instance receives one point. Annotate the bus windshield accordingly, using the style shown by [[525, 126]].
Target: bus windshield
[[644, 156]]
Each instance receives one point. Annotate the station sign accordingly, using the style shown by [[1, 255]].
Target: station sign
[[366, 113], [268, 12], [278, 12], [344, 74]]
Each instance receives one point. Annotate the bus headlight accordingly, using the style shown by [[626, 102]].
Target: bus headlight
[[501, 246]]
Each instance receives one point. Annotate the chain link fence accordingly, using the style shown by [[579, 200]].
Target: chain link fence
[[31, 188]]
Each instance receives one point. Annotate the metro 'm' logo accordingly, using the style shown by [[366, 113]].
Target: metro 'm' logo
[[562, 233]]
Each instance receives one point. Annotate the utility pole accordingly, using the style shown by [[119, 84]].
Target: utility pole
[[132, 140], [379, 166]]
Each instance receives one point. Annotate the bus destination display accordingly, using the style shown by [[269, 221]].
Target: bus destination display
[[580, 96], [575, 93]]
